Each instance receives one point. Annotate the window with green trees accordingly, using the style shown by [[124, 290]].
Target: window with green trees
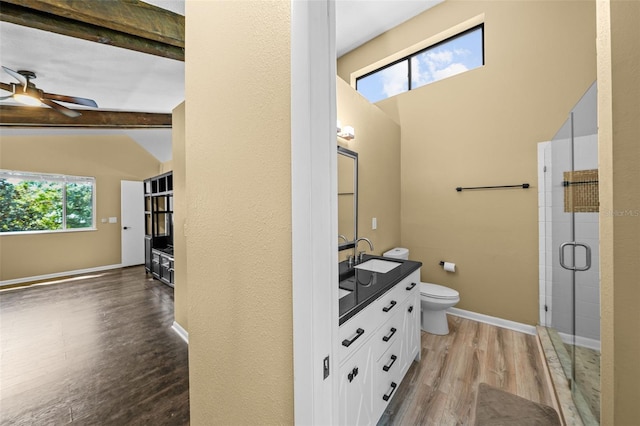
[[45, 202]]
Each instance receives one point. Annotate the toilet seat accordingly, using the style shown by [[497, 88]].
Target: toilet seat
[[436, 291]]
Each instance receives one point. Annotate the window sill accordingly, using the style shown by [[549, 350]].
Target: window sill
[[58, 231]]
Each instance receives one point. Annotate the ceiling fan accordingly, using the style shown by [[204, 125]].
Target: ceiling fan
[[27, 93]]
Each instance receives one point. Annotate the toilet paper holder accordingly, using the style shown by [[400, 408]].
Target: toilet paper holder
[[448, 266]]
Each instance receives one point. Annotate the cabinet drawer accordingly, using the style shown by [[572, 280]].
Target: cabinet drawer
[[389, 303], [411, 285], [388, 377], [356, 331], [388, 334]]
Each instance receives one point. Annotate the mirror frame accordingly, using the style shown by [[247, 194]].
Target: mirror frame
[[354, 155]]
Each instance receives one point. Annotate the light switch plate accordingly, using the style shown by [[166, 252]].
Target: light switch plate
[[113, 220], [374, 223]]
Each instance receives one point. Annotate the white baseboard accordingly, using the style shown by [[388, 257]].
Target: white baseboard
[[58, 275], [584, 342], [184, 334], [498, 322]]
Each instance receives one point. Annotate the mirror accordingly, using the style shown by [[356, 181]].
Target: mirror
[[347, 198]]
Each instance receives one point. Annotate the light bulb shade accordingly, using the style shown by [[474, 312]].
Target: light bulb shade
[[26, 99]]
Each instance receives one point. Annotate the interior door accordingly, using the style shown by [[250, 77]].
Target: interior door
[[132, 215]]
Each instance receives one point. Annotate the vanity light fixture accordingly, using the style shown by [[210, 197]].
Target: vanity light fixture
[[347, 133]]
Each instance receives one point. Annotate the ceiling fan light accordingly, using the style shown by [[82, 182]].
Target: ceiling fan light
[[26, 99]]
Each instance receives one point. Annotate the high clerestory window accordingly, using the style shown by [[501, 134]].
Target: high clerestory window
[[454, 55], [37, 202]]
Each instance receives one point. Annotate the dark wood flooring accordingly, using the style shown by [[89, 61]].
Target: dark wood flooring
[[441, 390], [98, 350]]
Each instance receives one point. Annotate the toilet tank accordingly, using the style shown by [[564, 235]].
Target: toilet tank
[[397, 253]]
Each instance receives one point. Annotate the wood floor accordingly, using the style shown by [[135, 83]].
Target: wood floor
[[441, 389], [100, 351], [93, 351]]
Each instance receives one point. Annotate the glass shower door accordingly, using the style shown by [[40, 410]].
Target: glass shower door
[[575, 316]]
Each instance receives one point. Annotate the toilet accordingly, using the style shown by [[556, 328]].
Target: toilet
[[434, 299]]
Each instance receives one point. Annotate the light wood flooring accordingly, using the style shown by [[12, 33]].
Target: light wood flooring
[[441, 389], [98, 350]]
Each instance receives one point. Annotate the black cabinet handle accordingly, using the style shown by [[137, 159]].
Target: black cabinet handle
[[391, 305], [411, 286], [125, 227], [386, 396], [388, 336], [388, 366], [347, 342], [352, 374], [410, 309]]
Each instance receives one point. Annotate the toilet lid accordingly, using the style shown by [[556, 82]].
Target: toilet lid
[[438, 291]]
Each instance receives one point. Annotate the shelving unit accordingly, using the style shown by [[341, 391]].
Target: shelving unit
[[158, 211]]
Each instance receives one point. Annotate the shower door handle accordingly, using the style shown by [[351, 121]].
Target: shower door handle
[[574, 244]]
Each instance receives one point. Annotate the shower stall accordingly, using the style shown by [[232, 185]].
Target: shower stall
[[569, 252]]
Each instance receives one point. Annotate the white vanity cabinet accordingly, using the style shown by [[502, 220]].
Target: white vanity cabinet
[[378, 345]]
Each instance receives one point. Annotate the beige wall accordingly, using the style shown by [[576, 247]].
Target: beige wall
[[619, 156], [108, 158], [238, 169], [482, 128], [180, 293], [377, 143]]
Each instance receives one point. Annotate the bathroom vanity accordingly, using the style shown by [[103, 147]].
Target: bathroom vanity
[[379, 334]]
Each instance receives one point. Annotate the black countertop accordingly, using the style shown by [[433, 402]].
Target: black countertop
[[367, 286]]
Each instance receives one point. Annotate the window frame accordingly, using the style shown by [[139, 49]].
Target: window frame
[[57, 178], [409, 56]]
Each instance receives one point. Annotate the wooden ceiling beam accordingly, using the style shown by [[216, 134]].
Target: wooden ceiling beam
[[129, 24], [25, 116]]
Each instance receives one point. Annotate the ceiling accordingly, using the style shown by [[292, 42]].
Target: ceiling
[[123, 80]]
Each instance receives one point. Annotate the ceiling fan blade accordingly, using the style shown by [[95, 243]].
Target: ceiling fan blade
[[61, 109], [71, 99], [15, 75]]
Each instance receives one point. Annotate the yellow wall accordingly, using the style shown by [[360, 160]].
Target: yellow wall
[[180, 293], [619, 156], [377, 143], [108, 158], [238, 169], [482, 128]]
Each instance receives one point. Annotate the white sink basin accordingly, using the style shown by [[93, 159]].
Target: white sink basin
[[378, 265], [342, 292]]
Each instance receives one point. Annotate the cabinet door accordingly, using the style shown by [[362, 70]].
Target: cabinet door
[[155, 264], [147, 253], [356, 389], [411, 326]]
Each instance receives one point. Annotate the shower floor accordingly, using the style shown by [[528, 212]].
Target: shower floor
[[588, 376], [587, 367]]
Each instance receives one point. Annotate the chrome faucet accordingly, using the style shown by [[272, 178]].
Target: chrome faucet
[[360, 255]]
